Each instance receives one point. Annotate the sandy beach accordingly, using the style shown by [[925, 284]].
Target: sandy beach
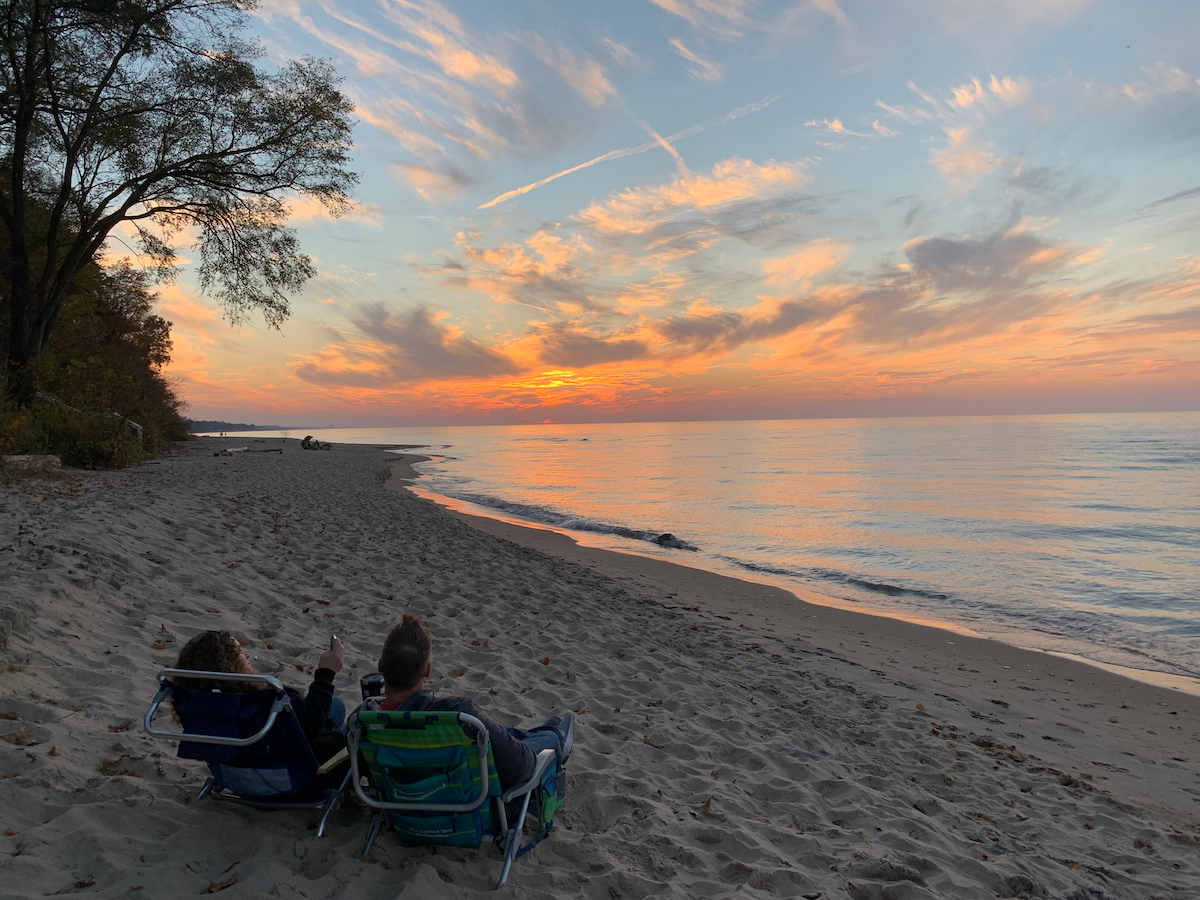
[[733, 739]]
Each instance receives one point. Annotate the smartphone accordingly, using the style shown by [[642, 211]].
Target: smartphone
[[332, 638]]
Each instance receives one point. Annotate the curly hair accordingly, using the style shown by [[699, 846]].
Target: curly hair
[[213, 651]]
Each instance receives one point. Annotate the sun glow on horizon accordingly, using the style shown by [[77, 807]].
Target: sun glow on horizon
[[960, 228]]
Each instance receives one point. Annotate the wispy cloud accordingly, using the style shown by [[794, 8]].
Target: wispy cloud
[[834, 126], [724, 18], [585, 76], [307, 210], [638, 210], [640, 148], [701, 69], [1008, 91], [963, 161], [797, 270]]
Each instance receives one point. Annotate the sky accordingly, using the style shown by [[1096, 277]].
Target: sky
[[647, 210]]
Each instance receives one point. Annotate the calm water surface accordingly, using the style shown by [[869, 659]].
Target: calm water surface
[[1075, 533]]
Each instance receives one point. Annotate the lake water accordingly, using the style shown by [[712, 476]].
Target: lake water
[[1072, 533]]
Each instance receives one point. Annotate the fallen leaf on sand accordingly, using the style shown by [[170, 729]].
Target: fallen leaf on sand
[[158, 645], [163, 629], [11, 716], [612, 891], [545, 660], [108, 765], [21, 737], [131, 801], [322, 602], [215, 886], [270, 645], [123, 725], [53, 750], [458, 673], [8, 832], [652, 744], [474, 643], [707, 805]]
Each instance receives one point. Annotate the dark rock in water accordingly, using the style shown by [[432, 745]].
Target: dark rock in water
[[664, 539]]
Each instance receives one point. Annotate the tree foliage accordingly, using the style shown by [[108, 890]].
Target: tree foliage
[[106, 356], [152, 119]]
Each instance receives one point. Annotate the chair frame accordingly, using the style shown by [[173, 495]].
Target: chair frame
[[508, 838], [333, 798]]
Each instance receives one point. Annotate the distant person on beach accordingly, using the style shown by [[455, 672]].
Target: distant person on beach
[[319, 712], [407, 660]]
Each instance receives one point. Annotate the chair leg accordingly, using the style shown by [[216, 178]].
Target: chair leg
[[205, 791], [376, 827], [335, 802], [512, 842]]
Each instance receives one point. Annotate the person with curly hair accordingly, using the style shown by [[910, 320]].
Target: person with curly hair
[[318, 711]]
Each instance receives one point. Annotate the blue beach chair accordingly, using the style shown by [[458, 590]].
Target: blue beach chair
[[256, 752], [433, 781]]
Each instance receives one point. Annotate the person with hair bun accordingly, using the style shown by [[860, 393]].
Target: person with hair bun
[[318, 711], [407, 661]]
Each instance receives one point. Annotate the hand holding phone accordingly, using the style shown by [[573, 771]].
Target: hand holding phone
[[333, 658]]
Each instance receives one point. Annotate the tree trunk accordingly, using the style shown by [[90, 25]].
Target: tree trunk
[[23, 348]]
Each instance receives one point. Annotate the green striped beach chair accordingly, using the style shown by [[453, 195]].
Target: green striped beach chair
[[432, 780]]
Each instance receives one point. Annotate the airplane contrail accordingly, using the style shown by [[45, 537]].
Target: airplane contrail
[[666, 145], [642, 148]]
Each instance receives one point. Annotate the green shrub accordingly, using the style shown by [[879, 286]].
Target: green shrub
[[106, 356], [85, 440], [17, 430]]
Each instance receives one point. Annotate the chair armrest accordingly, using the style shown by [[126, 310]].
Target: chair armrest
[[165, 692], [269, 680], [482, 744], [544, 758]]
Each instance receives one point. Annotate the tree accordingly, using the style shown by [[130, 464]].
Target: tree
[[151, 115]]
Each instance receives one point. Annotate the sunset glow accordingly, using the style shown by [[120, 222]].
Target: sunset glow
[[680, 209]]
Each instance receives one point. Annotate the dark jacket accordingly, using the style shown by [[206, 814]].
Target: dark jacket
[[312, 712], [515, 760]]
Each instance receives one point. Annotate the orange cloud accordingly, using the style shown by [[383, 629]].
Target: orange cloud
[[963, 161], [638, 210], [798, 269]]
